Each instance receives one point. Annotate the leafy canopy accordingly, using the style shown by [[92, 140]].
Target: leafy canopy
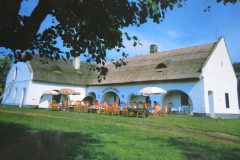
[[4, 68], [88, 27]]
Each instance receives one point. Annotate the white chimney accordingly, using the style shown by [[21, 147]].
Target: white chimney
[[77, 63], [153, 48]]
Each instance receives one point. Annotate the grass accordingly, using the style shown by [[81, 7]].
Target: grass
[[42, 134]]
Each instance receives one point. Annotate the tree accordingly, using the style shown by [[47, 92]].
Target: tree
[[88, 27], [236, 67], [4, 68]]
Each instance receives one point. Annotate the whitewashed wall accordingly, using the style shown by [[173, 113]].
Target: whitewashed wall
[[219, 77], [22, 75], [33, 90], [37, 89]]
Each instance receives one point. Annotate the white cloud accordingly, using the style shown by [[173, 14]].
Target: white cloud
[[173, 34]]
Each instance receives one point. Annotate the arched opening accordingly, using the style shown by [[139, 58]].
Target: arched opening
[[46, 98], [92, 94], [179, 102], [91, 97], [111, 97], [160, 67], [138, 98]]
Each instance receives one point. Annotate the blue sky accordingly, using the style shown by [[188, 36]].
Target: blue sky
[[189, 26], [182, 27]]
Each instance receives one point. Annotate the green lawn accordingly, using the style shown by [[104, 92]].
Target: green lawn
[[42, 134]]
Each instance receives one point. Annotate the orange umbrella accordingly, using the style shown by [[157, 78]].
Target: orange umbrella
[[66, 91]]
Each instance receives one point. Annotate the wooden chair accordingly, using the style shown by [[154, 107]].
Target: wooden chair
[[84, 106], [133, 108], [65, 105], [141, 111], [165, 109], [53, 105], [145, 105], [115, 108], [103, 106], [133, 104], [71, 104], [108, 109], [156, 111], [125, 111], [77, 106]]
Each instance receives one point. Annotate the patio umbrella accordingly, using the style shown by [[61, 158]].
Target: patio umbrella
[[66, 91], [152, 90], [51, 92]]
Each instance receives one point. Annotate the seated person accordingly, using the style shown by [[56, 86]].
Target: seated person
[[156, 105], [96, 104], [133, 106], [122, 105]]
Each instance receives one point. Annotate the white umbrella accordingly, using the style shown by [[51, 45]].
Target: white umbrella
[[152, 90], [51, 92]]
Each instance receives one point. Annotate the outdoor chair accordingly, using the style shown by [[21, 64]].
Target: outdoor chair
[[108, 109], [77, 106], [133, 108], [165, 109], [84, 106], [125, 111], [146, 105], [103, 106], [53, 106], [115, 108], [65, 105], [140, 110], [155, 111], [71, 104]]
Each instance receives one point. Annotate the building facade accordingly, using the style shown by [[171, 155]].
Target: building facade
[[199, 79]]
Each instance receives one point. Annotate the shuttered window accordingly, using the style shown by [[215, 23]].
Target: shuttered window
[[227, 100]]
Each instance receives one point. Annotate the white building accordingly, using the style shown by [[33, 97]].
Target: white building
[[200, 79]]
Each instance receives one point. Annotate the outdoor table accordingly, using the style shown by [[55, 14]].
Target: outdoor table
[[94, 109], [59, 106]]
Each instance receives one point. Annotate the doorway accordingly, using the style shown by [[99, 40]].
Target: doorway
[[22, 98], [211, 104]]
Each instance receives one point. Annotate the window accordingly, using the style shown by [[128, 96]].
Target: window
[[160, 67], [184, 99], [57, 70], [227, 100]]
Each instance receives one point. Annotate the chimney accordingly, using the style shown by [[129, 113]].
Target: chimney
[[153, 48], [76, 63]]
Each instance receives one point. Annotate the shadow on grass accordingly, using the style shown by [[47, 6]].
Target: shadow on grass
[[200, 151], [20, 142]]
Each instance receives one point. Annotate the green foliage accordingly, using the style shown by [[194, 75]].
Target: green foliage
[[4, 68], [69, 135], [85, 27], [236, 67]]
